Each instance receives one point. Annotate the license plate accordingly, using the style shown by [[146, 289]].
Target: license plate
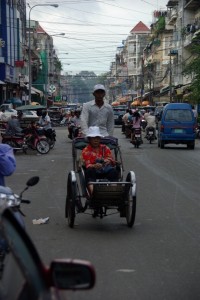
[[178, 130], [115, 117], [137, 135], [150, 132]]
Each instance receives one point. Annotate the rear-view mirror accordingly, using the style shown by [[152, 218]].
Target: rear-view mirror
[[72, 274]]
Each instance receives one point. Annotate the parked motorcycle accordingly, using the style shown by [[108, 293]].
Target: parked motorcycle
[[19, 258], [136, 137], [31, 139], [150, 134]]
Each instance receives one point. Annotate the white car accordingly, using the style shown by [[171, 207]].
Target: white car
[[29, 114], [8, 113]]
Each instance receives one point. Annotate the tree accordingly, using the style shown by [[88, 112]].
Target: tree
[[193, 69]]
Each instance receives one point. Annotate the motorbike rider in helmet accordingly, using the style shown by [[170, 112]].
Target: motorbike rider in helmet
[[151, 122], [45, 120], [45, 123], [74, 123]]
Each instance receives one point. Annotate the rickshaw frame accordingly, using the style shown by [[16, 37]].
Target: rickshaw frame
[[119, 195]]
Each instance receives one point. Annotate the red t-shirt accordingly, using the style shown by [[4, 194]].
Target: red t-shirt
[[89, 154]]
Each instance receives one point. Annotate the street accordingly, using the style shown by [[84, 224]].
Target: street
[[158, 258]]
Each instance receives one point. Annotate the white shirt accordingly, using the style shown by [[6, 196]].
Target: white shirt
[[103, 117]]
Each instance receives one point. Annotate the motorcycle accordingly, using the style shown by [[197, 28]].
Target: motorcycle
[[143, 124], [74, 131], [50, 135], [18, 255], [64, 122], [198, 131], [9, 199], [150, 136], [128, 129], [30, 139], [136, 137]]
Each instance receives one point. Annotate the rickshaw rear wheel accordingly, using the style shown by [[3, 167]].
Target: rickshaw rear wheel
[[130, 211], [70, 202], [131, 203]]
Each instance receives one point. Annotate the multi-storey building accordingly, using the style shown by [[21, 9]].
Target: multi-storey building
[[172, 35], [16, 35], [126, 72], [12, 47]]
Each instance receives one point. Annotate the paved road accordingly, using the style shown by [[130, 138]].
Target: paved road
[[157, 259]]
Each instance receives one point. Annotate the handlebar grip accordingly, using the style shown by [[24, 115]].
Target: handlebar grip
[[25, 201]]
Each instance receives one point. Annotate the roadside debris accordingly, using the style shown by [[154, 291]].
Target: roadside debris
[[40, 221]]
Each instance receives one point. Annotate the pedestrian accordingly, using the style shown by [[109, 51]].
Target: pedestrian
[[98, 113], [7, 162]]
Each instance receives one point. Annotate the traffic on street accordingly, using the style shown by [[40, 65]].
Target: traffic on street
[[158, 257]]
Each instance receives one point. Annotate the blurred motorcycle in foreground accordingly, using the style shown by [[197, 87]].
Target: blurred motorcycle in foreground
[[19, 258]]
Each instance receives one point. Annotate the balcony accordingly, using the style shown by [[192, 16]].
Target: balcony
[[172, 15], [191, 4], [172, 3], [187, 40]]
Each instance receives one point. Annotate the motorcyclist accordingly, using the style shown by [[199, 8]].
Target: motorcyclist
[[151, 122], [75, 122], [13, 126], [125, 119], [45, 123], [71, 121], [136, 122]]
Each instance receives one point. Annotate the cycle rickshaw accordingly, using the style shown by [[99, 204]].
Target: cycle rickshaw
[[108, 197]]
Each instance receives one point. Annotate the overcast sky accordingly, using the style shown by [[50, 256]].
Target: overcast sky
[[93, 29]]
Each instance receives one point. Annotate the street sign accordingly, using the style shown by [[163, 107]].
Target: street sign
[[52, 88]]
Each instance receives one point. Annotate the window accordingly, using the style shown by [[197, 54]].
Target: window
[[178, 115]]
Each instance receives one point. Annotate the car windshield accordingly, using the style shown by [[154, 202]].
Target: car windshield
[[178, 115]]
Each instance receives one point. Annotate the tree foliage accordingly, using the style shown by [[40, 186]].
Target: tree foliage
[[192, 69], [82, 85]]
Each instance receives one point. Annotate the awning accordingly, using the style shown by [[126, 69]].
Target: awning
[[115, 103], [145, 103], [2, 82], [123, 99], [31, 107], [34, 90], [37, 91], [136, 103]]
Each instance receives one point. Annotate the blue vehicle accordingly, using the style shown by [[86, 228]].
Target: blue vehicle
[[177, 125]]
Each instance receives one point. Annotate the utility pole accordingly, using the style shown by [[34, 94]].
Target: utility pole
[[171, 53]]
